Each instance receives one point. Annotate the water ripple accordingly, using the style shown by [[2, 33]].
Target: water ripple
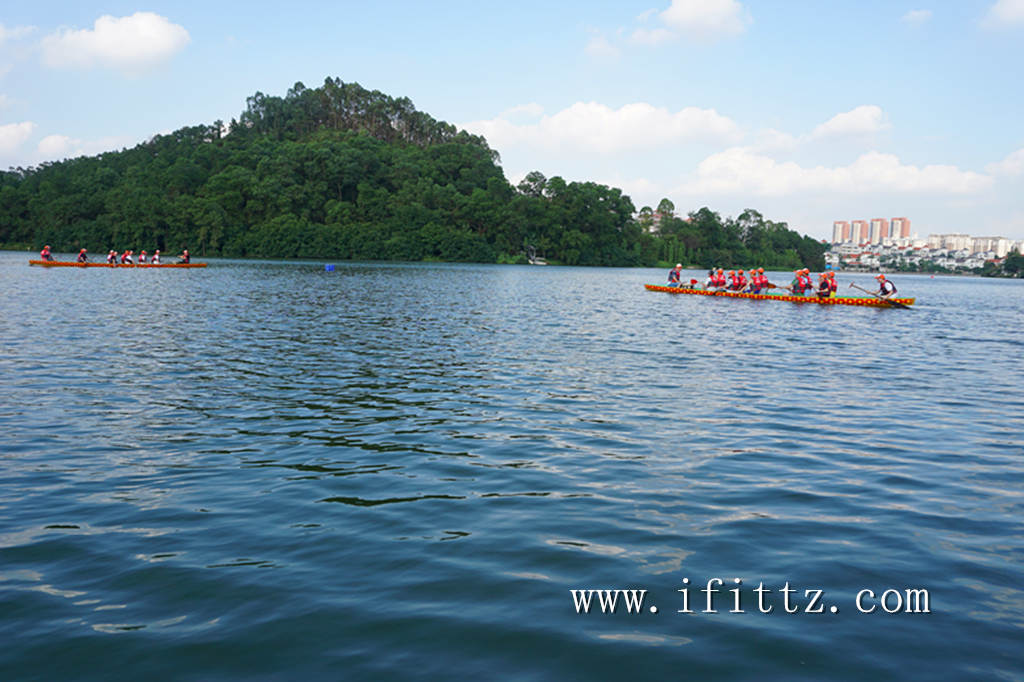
[[402, 470]]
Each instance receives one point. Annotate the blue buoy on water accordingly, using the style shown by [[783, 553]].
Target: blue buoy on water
[[329, 268]]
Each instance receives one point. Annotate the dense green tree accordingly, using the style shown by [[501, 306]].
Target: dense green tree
[[344, 172]]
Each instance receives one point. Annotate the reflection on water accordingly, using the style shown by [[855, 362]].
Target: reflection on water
[[402, 470]]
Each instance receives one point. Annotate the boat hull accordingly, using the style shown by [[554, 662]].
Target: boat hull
[[839, 300], [72, 264]]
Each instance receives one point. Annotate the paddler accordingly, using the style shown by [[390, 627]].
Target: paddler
[[83, 257], [886, 289], [673, 275], [806, 283], [45, 253], [184, 257], [797, 285], [832, 286], [824, 289], [719, 280], [112, 257], [757, 281], [156, 257], [142, 257]]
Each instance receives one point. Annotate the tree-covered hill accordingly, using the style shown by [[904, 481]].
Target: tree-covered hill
[[342, 172]]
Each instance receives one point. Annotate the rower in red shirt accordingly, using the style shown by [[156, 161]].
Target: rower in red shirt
[[756, 281]]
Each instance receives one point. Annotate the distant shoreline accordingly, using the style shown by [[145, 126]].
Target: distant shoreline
[[689, 268]]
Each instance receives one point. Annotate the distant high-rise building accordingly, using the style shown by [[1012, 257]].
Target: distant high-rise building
[[1000, 246], [879, 230], [900, 228], [951, 242], [840, 231], [860, 231], [983, 244]]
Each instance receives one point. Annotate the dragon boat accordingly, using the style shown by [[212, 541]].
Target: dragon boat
[[74, 264], [835, 300]]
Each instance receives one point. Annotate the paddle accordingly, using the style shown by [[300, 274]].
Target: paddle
[[895, 304]]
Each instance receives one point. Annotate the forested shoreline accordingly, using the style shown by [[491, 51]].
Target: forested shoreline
[[342, 172]]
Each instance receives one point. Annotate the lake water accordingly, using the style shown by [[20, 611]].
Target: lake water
[[267, 470]]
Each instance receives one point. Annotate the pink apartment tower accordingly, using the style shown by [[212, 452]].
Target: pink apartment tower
[[860, 231], [840, 231], [903, 227]]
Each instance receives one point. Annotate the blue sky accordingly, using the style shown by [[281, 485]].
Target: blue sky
[[806, 111]]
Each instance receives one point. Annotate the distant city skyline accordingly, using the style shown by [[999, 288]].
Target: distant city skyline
[[872, 231], [864, 234]]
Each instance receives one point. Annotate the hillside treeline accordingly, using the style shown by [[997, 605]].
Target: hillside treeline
[[341, 172]]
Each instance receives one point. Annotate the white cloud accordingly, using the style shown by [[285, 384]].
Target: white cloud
[[917, 16], [13, 135], [531, 110], [859, 122], [774, 140], [599, 46], [703, 21], [1004, 13], [59, 147], [706, 20], [863, 120], [1011, 165], [132, 43], [14, 33], [11, 53], [640, 190], [589, 126], [56, 146], [742, 171], [657, 36]]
